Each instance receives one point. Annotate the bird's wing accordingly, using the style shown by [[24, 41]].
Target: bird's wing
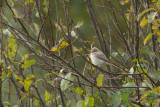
[[101, 56]]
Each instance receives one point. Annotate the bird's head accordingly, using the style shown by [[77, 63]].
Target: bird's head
[[94, 49]]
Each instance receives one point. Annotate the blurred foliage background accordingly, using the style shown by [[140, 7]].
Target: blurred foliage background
[[45, 47]]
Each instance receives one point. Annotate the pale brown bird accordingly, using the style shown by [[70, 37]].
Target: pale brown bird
[[98, 58]]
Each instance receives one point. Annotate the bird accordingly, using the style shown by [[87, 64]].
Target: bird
[[98, 58]]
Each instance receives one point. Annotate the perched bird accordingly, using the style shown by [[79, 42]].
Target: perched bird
[[98, 58]]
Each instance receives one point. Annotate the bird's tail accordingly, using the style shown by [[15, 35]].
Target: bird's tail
[[118, 67]]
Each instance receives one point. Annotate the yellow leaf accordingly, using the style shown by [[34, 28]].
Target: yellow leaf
[[147, 38], [92, 67], [3, 71], [22, 98], [9, 73], [48, 96], [28, 82], [154, 27], [123, 2], [127, 1], [61, 27], [16, 13], [0, 62], [153, 1], [29, 2], [80, 50], [157, 89], [36, 102], [158, 32], [31, 76], [80, 23], [146, 94], [19, 79], [143, 22], [100, 79], [25, 57], [11, 47], [58, 47], [74, 49]]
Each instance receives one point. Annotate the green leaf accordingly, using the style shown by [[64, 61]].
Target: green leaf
[[100, 79], [109, 93], [52, 74], [155, 75], [147, 52], [124, 97], [147, 38], [45, 4], [158, 4], [158, 40], [89, 101], [65, 83], [151, 16], [116, 99], [148, 84], [81, 103], [129, 84], [36, 27], [7, 103], [36, 102], [141, 70], [78, 90], [146, 94], [48, 96], [22, 98], [140, 60], [146, 11], [15, 106], [28, 63]]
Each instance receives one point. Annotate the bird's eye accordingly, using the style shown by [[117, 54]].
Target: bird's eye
[[94, 50]]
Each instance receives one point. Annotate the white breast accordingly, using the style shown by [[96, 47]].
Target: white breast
[[95, 60]]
